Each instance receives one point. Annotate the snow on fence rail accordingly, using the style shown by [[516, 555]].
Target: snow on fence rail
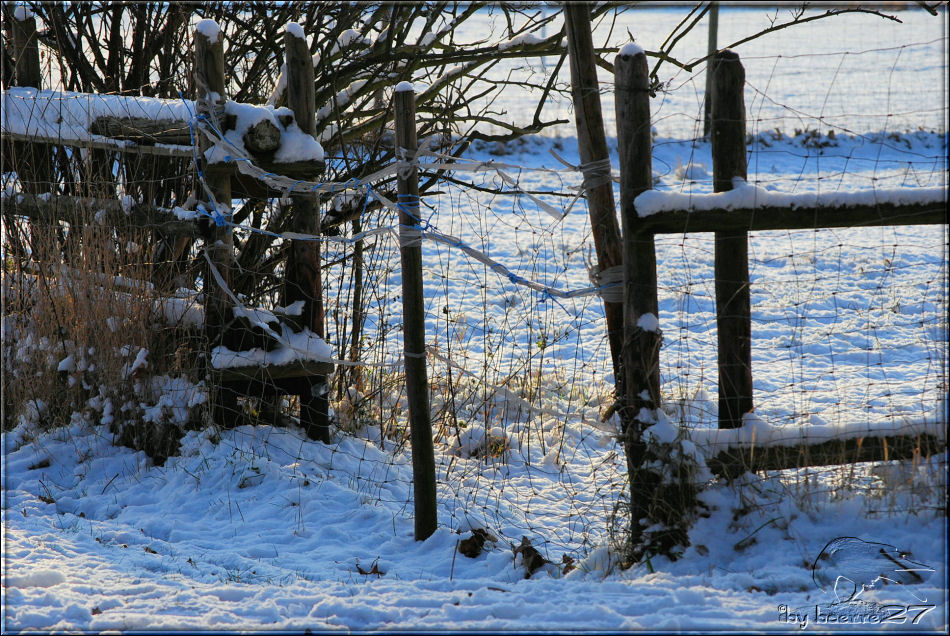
[[267, 145], [736, 208], [242, 140]]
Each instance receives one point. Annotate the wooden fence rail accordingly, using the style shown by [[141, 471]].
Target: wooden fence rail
[[820, 216], [732, 279], [33, 141], [733, 462], [78, 210]]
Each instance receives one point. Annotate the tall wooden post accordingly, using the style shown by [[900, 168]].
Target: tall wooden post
[[592, 144], [303, 280], [413, 309], [356, 330], [711, 46], [733, 306], [641, 342], [219, 245], [34, 160]]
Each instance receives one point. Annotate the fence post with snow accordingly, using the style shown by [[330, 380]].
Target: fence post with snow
[[413, 307], [216, 197], [304, 278], [733, 304]]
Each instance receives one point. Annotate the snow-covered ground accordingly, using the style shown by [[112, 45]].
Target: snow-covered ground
[[263, 530], [260, 529]]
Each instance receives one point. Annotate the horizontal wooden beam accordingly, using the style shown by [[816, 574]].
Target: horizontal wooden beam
[[303, 170], [734, 462], [776, 218], [102, 143], [143, 130], [243, 185], [272, 374], [82, 211], [259, 139]]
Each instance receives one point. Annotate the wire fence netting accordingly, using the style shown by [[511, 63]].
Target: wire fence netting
[[103, 306]]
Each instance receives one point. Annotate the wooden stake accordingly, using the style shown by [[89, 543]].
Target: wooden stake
[[219, 246], [592, 143], [733, 305], [34, 161], [641, 341], [711, 46], [304, 279], [413, 308]]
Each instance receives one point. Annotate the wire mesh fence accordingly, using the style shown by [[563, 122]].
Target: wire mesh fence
[[101, 318]]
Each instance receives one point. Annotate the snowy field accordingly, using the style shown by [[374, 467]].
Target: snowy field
[[259, 529]]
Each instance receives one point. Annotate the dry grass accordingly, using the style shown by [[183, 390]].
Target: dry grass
[[80, 335]]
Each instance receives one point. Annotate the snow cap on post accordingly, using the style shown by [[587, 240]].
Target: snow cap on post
[[630, 49], [295, 30], [22, 12], [209, 28], [403, 87]]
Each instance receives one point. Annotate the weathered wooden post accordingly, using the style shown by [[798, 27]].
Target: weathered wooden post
[[711, 46], [26, 52], [304, 280], [733, 307], [219, 245], [595, 162], [413, 309], [356, 330], [641, 334], [31, 161], [34, 160]]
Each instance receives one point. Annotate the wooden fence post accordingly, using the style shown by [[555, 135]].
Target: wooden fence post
[[595, 162], [304, 279], [209, 86], [641, 341], [733, 308], [413, 309], [711, 46], [34, 160], [26, 52]]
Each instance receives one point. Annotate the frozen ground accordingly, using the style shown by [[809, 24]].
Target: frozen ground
[[260, 529], [266, 531]]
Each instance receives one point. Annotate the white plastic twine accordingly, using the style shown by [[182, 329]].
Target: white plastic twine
[[609, 283]]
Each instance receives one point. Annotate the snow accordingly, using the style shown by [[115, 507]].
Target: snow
[[182, 309], [748, 195], [341, 99], [140, 362], [68, 115], [295, 30], [348, 37], [664, 431], [756, 431], [403, 87], [258, 528], [834, 68], [648, 322], [209, 28], [22, 12], [519, 40], [630, 49], [67, 365], [295, 145], [294, 347]]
